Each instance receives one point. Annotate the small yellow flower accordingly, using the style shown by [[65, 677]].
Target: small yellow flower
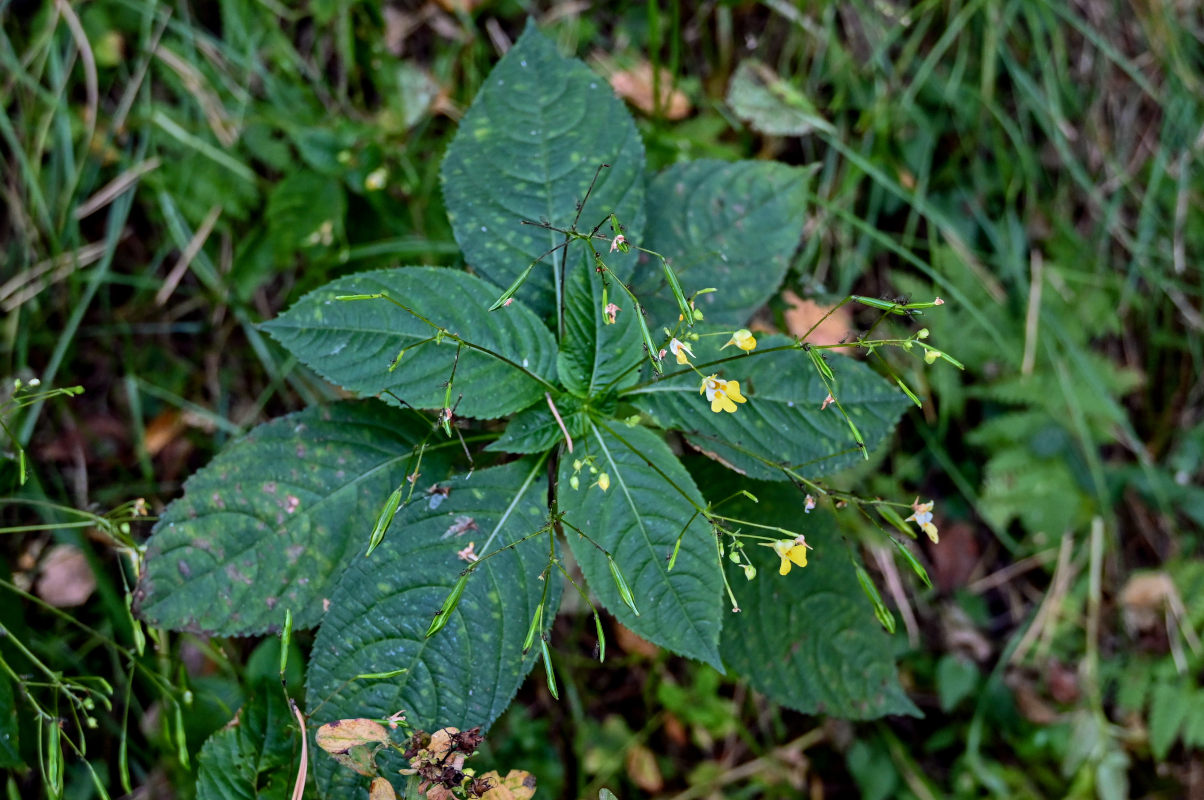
[[743, 339], [922, 516], [681, 350], [721, 393], [604, 481], [790, 550]]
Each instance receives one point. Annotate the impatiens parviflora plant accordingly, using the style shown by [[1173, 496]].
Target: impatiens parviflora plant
[[427, 529]]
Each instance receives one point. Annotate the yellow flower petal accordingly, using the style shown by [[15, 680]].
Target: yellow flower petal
[[791, 552], [732, 390], [721, 402], [743, 339]]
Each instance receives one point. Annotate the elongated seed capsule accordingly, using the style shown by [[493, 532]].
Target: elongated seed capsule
[[676, 550], [890, 515], [531, 631], [871, 591], [376, 296], [910, 558], [601, 637], [884, 305], [820, 364], [379, 676], [547, 668], [449, 605], [621, 585], [286, 637], [652, 350], [514, 287], [383, 520], [908, 392], [687, 313]]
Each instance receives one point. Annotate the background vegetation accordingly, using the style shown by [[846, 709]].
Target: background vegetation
[[174, 174]]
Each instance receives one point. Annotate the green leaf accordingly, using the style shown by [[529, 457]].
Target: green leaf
[[10, 751], [1169, 704], [782, 422], [808, 640], [256, 757], [956, 678], [273, 521], [467, 673], [354, 342], [638, 520], [535, 430], [593, 354], [730, 226], [771, 105], [305, 210], [1193, 724], [527, 149]]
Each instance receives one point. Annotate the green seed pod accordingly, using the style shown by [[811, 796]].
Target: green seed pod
[[533, 629], [621, 585], [449, 605], [383, 521], [547, 668]]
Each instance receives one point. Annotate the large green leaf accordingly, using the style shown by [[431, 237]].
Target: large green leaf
[[729, 226], [808, 640], [638, 519], [535, 429], [593, 354], [468, 672], [354, 342], [782, 422], [257, 756], [527, 149], [272, 522]]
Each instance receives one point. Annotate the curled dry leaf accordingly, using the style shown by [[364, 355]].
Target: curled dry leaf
[[66, 580]]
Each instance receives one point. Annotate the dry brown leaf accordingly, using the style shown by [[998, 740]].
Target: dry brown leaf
[[65, 580], [381, 789], [643, 770], [342, 734], [163, 430], [353, 743], [517, 785], [1144, 600], [1029, 702], [635, 86], [954, 559], [803, 314], [631, 643]]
